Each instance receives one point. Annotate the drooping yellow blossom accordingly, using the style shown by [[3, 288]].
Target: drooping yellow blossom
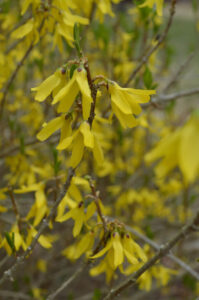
[[103, 267], [118, 248], [125, 103], [67, 95], [160, 273], [179, 148], [151, 3], [49, 85], [62, 123], [78, 215], [56, 17], [83, 137], [43, 240], [85, 244]]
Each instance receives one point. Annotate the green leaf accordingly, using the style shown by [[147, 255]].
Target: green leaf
[[72, 69], [148, 78], [10, 238], [97, 294], [189, 282], [57, 162], [76, 36]]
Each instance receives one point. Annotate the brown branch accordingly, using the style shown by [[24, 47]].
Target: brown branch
[[96, 197], [9, 273], [66, 283], [181, 68], [164, 249], [155, 246], [14, 205], [146, 57], [93, 94]]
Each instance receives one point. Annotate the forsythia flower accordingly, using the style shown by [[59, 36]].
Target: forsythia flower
[[51, 84], [83, 137], [181, 149], [118, 248], [83, 246], [125, 103], [67, 95], [150, 3], [79, 215], [54, 125]]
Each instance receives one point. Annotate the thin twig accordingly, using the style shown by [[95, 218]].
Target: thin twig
[[163, 98], [178, 261], [15, 208], [181, 68], [146, 57], [96, 197], [44, 224], [66, 283], [93, 94], [15, 295], [164, 249]]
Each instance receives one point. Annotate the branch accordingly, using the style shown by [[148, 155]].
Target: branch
[[146, 57], [154, 245], [163, 250], [163, 98], [15, 295], [66, 283], [8, 273], [181, 68], [11, 150]]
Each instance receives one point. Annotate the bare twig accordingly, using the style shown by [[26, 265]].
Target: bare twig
[[164, 249], [15, 295], [178, 261], [163, 98], [66, 283], [9, 273], [181, 68], [93, 94], [96, 197], [146, 57], [15, 208]]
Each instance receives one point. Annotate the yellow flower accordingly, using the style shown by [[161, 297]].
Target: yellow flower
[[181, 149], [84, 245], [125, 103], [67, 95], [49, 85], [151, 3], [103, 266], [77, 214], [83, 137], [118, 248], [54, 125]]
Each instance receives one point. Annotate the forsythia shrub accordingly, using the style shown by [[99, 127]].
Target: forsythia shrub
[[96, 161]]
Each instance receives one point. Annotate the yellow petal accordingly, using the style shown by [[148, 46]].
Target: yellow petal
[[87, 134], [189, 151], [50, 128], [98, 153], [23, 30], [79, 220], [77, 152], [118, 250], [125, 120], [46, 87], [104, 250], [81, 78]]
